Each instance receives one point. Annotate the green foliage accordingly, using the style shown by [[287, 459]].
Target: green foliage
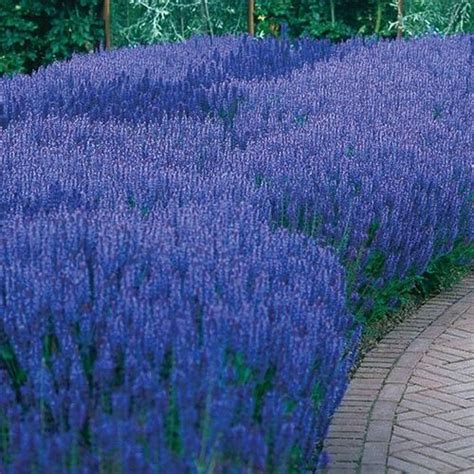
[[151, 21], [436, 16], [333, 19], [36, 32], [5, 455], [17, 39], [172, 426], [10, 363], [71, 30], [445, 270], [261, 389], [242, 371], [295, 461], [441, 273], [318, 395], [375, 264], [50, 347]]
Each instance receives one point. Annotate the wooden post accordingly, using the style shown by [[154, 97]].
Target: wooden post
[[107, 30], [250, 17], [400, 19]]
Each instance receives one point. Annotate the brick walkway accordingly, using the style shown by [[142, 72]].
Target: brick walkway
[[410, 406]]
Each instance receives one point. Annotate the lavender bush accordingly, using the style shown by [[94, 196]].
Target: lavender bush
[[188, 230]]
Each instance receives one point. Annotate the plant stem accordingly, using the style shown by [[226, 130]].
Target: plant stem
[[378, 16], [332, 5]]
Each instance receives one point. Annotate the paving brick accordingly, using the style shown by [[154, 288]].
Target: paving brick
[[399, 375], [337, 443], [372, 372], [375, 453], [395, 347], [459, 333], [373, 469], [392, 392], [468, 423], [420, 344], [446, 426], [362, 391], [344, 456], [459, 388], [450, 446], [413, 388], [381, 357], [381, 352], [454, 460], [445, 357], [459, 308], [462, 355], [409, 359], [356, 418], [432, 331], [354, 409], [396, 439], [441, 374], [394, 471], [364, 397], [343, 468], [413, 405], [343, 427], [427, 462], [407, 467], [467, 452], [379, 430], [409, 415], [403, 446], [412, 435], [453, 399], [383, 410], [354, 451], [431, 401], [403, 334], [342, 436], [428, 383], [458, 414], [420, 426]]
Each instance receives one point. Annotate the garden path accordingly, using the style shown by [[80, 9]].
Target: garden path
[[410, 406]]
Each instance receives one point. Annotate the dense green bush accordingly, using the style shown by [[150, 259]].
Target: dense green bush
[[36, 32]]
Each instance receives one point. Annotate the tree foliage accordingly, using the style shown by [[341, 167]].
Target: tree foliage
[[437, 16], [36, 32], [151, 21]]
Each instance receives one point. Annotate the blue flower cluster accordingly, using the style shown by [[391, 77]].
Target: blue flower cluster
[[186, 230]]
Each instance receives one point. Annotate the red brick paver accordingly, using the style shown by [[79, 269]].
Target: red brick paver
[[410, 406]]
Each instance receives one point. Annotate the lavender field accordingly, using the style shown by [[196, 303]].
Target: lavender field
[[193, 235]]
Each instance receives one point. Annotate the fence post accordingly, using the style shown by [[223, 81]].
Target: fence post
[[250, 17]]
